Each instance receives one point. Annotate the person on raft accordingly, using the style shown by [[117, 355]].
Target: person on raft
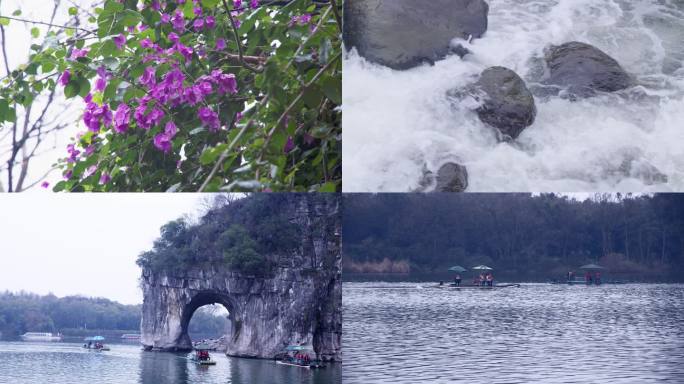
[[457, 280]]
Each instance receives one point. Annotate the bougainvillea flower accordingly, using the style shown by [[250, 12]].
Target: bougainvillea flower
[[209, 118], [209, 22], [65, 78], [44, 184], [254, 4], [77, 53], [148, 77], [105, 178], [120, 41], [165, 18], [146, 43], [220, 44], [178, 21], [289, 145], [122, 118]]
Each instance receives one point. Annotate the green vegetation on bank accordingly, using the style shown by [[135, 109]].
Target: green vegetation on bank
[[26, 312], [79, 316], [522, 234]]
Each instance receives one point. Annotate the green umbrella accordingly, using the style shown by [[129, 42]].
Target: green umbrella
[[591, 266], [457, 268], [482, 268]]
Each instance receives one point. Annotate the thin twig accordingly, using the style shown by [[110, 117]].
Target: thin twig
[[48, 24], [237, 41]]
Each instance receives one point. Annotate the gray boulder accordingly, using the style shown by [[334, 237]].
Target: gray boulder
[[451, 177], [583, 70], [506, 102], [402, 34]]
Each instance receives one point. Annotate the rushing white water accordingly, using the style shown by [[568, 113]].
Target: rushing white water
[[398, 122]]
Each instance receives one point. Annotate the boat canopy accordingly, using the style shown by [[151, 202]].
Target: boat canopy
[[95, 338], [591, 266], [457, 268], [202, 347], [298, 348], [482, 268]]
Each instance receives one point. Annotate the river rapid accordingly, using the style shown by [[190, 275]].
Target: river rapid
[[70, 363], [396, 123], [405, 333]]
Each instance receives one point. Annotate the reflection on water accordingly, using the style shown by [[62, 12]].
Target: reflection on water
[[406, 333], [61, 363]]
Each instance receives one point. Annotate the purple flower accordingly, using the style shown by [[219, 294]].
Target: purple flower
[[237, 4], [227, 82], [173, 37], [77, 53], [254, 4], [90, 150], [220, 44], [120, 41], [162, 142], [122, 118], [171, 129], [100, 84], [105, 178], [165, 18], [44, 184], [205, 87], [146, 43], [210, 22], [289, 145], [209, 118], [68, 174], [65, 78], [148, 77], [92, 169], [197, 11], [198, 24], [178, 21]]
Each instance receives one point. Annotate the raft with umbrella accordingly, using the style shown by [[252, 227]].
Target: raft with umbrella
[[95, 343], [299, 356]]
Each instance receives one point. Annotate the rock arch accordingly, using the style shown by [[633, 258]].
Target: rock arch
[[299, 303]]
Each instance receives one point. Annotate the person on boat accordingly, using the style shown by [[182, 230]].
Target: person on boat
[[490, 279], [597, 278], [482, 280], [457, 280], [587, 277]]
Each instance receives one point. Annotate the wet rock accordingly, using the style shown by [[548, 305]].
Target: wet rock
[[584, 70], [299, 303], [402, 34], [506, 102], [451, 177]]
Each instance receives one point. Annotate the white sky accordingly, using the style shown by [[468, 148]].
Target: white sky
[[18, 47], [82, 243]]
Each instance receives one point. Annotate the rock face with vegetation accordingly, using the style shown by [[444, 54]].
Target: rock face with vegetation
[[402, 34], [506, 103], [584, 69], [272, 260]]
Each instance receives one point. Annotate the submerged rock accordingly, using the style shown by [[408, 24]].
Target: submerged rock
[[506, 103], [451, 177], [584, 69], [402, 34]]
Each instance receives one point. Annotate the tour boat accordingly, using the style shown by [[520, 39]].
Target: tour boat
[[201, 356], [96, 344], [41, 336], [131, 336], [298, 356]]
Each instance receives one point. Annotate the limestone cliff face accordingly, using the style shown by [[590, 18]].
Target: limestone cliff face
[[299, 303]]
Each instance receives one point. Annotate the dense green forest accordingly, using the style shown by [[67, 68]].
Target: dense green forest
[[517, 234], [77, 315], [247, 234]]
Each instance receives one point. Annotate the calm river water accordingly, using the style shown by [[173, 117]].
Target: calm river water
[[61, 363], [538, 333]]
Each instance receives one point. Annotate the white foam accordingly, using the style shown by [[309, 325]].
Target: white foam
[[397, 122]]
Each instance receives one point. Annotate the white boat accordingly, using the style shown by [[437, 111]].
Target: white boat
[[41, 336], [131, 336]]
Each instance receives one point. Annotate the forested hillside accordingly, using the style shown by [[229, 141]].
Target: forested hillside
[[514, 233], [246, 234], [78, 316]]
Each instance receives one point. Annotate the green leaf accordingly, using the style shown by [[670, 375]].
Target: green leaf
[[188, 10], [17, 12], [73, 11], [4, 21], [328, 187], [332, 88], [210, 3], [71, 90], [4, 108], [35, 32], [130, 17]]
